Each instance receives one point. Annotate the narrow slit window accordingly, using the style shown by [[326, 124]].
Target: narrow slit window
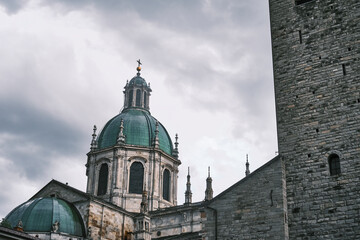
[[138, 98], [298, 2], [344, 69], [334, 164], [300, 36], [145, 103], [131, 92], [166, 185]]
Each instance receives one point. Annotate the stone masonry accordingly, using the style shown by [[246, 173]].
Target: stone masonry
[[317, 88]]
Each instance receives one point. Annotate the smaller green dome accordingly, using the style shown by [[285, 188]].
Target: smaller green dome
[[137, 80], [39, 214]]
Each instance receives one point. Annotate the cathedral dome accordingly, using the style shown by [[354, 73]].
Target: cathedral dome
[[137, 80], [39, 214], [139, 129]]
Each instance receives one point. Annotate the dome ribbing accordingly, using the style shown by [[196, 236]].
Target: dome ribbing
[[39, 214]]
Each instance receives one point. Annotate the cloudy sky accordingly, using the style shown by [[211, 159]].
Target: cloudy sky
[[64, 64]]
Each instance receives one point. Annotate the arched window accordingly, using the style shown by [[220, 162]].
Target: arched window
[[166, 185], [145, 100], [138, 98], [334, 164], [131, 93], [136, 178], [103, 179]]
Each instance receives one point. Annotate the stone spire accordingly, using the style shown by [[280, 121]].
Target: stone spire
[[121, 137], [188, 194], [93, 144], [176, 150], [209, 190], [144, 203], [156, 140], [247, 172]]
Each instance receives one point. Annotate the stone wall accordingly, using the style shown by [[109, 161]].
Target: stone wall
[[109, 223], [253, 208], [316, 73], [177, 221], [119, 160]]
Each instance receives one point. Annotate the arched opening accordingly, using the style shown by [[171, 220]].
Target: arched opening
[[103, 179], [131, 93], [136, 178], [334, 164], [166, 185], [138, 98], [145, 101]]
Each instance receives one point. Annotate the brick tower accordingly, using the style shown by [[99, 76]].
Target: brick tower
[[317, 88]]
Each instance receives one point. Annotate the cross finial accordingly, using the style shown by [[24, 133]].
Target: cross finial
[[138, 67]]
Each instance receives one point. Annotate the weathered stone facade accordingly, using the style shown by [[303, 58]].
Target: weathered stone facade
[[316, 72], [119, 160], [311, 190], [253, 208], [102, 219]]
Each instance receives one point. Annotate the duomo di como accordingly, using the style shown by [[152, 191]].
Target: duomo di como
[[311, 190]]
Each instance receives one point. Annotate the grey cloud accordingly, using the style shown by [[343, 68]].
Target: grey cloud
[[31, 137], [13, 6]]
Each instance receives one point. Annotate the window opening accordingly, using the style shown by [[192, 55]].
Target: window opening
[[166, 185], [344, 69], [136, 178], [131, 92], [334, 164], [298, 2], [138, 98], [103, 179], [145, 103]]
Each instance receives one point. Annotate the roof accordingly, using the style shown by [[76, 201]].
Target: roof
[[139, 130], [245, 179], [189, 236], [39, 215], [7, 233], [137, 80], [50, 187]]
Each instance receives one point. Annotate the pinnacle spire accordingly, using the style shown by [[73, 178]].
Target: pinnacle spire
[[144, 204], [121, 137], [247, 172], [156, 140], [188, 194], [209, 191], [176, 150], [93, 141]]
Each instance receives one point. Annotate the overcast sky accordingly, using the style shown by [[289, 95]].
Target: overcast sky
[[64, 64]]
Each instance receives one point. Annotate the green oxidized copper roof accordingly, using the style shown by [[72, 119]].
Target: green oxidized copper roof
[[39, 214], [139, 129], [138, 80]]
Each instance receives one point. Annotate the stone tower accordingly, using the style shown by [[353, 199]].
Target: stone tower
[[317, 88], [134, 154]]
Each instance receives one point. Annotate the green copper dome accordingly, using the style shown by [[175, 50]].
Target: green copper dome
[[39, 214], [139, 130], [137, 80]]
